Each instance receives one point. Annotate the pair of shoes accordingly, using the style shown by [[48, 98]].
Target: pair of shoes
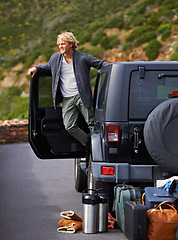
[[70, 222]]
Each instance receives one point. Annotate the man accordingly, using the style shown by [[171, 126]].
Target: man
[[70, 70]]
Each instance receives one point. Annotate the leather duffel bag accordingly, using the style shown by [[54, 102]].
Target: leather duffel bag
[[162, 222]]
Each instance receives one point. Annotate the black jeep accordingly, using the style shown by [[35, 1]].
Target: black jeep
[[136, 132]]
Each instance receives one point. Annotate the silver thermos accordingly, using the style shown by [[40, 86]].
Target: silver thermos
[[103, 211], [90, 211]]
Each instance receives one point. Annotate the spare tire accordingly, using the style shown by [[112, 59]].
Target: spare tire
[[161, 135]]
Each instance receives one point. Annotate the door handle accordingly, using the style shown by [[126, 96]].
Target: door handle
[[137, 140]]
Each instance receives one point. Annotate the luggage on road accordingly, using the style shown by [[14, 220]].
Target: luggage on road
[[162, 222], [156, 218], [135, 220], [124, 193], [154, 196]]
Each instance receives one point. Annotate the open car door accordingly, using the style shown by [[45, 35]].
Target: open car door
[[47, 135]]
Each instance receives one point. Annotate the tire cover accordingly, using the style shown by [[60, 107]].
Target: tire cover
[[161, 135]]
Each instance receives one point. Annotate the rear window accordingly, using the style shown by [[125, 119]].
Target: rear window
[[147, 93]]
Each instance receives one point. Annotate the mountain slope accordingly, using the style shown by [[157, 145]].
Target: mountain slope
[[128, 30]]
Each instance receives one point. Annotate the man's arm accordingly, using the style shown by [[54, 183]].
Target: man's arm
[[40, 69], [96, 62]]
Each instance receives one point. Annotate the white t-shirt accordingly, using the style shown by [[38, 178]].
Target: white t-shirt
[[68, 82]]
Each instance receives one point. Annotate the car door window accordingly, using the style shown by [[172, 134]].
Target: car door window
[[102, 90], [45, 98]]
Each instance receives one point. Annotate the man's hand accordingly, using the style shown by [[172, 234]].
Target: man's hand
[[32, 71]]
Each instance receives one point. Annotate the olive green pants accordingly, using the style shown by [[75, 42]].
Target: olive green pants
[[71, 107]]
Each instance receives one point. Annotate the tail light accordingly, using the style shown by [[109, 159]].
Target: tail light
[[112, 133], [174, 93], [108, 171]]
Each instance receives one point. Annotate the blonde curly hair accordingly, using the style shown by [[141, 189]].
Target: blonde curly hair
[[68, 37]]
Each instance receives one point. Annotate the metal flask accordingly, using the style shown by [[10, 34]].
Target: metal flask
[[90, 202], [103, 211]]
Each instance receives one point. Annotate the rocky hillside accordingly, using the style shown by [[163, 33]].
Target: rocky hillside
[[129, 30]]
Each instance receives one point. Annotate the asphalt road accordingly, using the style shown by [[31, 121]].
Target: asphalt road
[[33, 192]]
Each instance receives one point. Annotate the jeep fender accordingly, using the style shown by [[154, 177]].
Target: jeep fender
[[96, 146], [161, 135]]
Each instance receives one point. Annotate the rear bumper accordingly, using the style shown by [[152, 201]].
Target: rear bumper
[[127, 173]]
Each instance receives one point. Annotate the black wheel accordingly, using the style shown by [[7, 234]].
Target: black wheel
[[80, 176], [161, 134], [92, 184]]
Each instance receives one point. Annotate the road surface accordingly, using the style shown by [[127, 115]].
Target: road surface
[[33, 192]]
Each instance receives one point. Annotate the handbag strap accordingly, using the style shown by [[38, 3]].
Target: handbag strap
[[167, 203], [143, 198]]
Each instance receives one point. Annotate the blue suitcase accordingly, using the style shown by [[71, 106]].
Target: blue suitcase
[[154, 196]]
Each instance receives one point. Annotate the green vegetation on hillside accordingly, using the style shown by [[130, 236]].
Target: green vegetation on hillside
[[12, 105], [29, 29]]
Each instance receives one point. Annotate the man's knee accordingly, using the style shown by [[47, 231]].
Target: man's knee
[[69, 127]]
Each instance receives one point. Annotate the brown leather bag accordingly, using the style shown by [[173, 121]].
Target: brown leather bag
[[162, 222]]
